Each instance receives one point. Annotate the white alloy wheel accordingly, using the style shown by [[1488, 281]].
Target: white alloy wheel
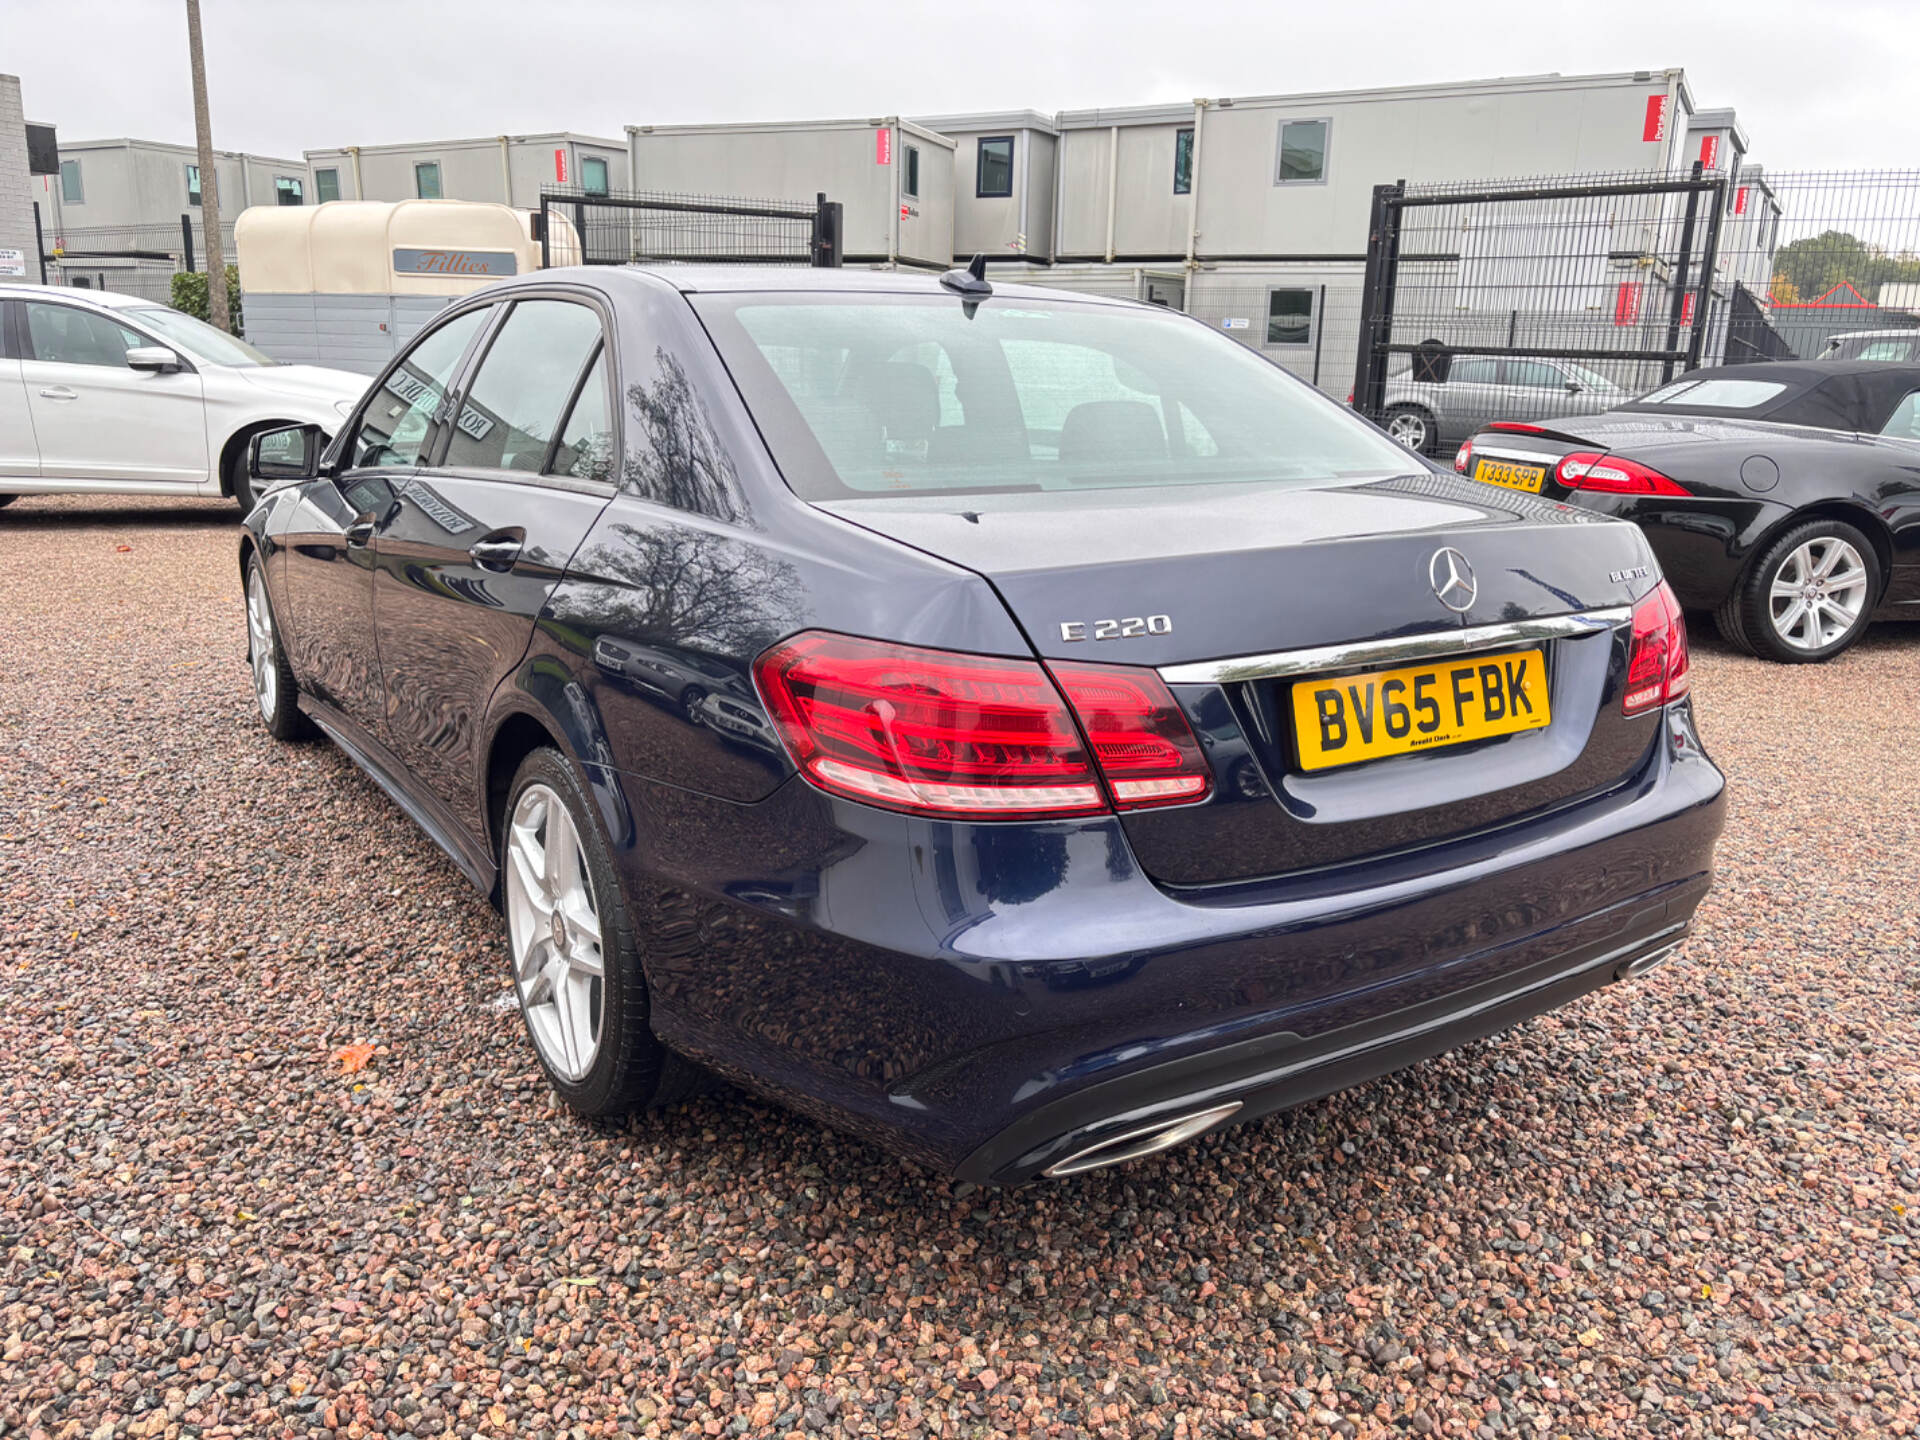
[[554, 933], [1818, 592], [1410, 428], [260, 652]]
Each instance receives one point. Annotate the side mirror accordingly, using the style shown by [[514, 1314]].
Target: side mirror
[[1573, 387], [289, 453], [155, 359]]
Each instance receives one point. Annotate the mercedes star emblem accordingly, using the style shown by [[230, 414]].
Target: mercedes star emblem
[[1452, 579]]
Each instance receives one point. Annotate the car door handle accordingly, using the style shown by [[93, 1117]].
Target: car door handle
[[360, 532], [498, 551], [59, 392]]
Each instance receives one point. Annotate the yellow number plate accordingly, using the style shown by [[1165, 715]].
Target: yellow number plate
[[1515, 477], [1423, 707]]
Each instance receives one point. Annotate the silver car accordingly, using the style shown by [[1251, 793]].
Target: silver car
[[1427, 415], [1900, 346]]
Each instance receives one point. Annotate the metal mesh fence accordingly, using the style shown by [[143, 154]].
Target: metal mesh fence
[[622, 227], [1562, 296], [129, 259]]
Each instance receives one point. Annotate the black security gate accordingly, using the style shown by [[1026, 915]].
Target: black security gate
[[1589, 283], [577, 227]]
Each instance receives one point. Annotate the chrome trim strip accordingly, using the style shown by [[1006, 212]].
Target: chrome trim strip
[[1503, 452], [1399, 648]]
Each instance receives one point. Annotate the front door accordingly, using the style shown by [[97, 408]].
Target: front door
[[478, 539], [97, 418], [329, 557], [19, 454]]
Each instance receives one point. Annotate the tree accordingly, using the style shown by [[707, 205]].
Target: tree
[[189, 295], [1783, 292], [1814, 264], [209, 176]]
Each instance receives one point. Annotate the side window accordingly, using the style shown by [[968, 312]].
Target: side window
[[1472, 370], [396, 420], [585, 451], [326, 185], [426, 180], [1534, 375], [68, 335], [910, 181], [593, 175], [1905, 423], [1183, 161], [512, 410]]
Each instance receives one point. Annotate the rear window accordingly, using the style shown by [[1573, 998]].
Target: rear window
[[1718, 394], [865, 395]]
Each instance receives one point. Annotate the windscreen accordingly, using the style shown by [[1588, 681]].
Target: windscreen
[[864, 395], [198, 338]]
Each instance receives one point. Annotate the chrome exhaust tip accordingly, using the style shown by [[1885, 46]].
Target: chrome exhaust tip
[[1135, 1144], [1647, 963]]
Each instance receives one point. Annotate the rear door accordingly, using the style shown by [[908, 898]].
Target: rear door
[[96, 417], [1470, 397], [476, 540]]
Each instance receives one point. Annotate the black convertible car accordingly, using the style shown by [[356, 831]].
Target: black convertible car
[[1785, 497]]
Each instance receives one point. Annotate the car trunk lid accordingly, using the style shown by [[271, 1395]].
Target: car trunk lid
[[1179, 579]]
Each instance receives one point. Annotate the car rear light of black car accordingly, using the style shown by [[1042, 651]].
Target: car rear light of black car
[[1589, 470], [1658, 667], [933, 732], [1463, 457]]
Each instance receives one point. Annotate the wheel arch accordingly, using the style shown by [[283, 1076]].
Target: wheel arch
[[1847, 512], [518, 734]]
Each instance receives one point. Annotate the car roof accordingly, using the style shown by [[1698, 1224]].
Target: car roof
[[1905, 332], [1828, 394], [722, 279], [74, 295]]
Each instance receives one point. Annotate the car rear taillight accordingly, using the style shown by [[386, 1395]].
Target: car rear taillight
[[1142, 743], [933, 732], [1658, 668], [1588, 470], [1463, 457]]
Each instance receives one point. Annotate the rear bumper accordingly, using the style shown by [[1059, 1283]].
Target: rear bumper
[[988, 999]]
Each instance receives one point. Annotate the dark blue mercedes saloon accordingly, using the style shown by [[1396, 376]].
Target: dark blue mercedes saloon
[[1023, 728]]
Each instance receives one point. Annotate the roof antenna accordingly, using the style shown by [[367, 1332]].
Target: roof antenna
[[971, 281]]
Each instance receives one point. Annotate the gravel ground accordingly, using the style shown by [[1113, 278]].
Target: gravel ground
[[1684, 1206]]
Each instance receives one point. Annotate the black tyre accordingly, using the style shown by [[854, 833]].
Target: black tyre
[[273, 684], [1413, 426], [582, 992], [239, 482], [1807, 598]]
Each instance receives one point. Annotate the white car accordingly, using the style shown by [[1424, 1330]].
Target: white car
[[113, 394]]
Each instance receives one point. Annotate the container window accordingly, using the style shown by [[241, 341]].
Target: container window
[[593, 175], [70, 191], [910, 181], [289, 190], [193, 184], [1290, 317], [326, 185], [1303, 152], [1183, 161], [426, 180], [993, 176]]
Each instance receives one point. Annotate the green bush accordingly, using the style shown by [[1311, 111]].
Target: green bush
[[190, 295]]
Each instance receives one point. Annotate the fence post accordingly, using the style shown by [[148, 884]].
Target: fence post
[[1376, 299], [580, 226], [39, 242], [826, 232], [546, 229], [1677, 311], [186, 240], [1708, 258]]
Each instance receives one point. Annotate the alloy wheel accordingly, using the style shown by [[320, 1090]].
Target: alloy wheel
[[1409, 429], [1818, 593], [266, 675], [553, 929]]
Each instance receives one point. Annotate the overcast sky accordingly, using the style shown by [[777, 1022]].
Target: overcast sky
[[1817, 85]]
